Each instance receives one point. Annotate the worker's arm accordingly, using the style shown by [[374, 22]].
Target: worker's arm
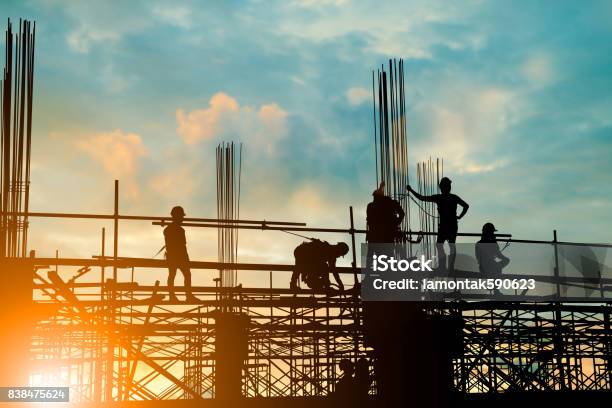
[[477, 250], [294, 279], [338, 280], [501, 256], [334, 270], [421, 197], [464, 207]]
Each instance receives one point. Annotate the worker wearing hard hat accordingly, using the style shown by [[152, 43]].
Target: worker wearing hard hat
[[176, 254], [490, 259]]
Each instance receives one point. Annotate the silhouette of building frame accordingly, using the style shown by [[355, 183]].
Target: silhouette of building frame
[[118, 341]]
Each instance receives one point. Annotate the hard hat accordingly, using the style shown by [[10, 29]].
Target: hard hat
[[177, 211], [342, 246], [488, 227], [380, 190]]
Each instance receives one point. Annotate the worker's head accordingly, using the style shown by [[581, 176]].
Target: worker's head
[[346, 366], [488, 229], [177, 213], [380, 191], [445, 185], [341, 249]]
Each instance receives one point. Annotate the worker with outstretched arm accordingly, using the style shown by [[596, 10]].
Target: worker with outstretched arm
[[447, 219]]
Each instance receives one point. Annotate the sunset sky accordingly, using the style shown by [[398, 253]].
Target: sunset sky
[[515, 96]]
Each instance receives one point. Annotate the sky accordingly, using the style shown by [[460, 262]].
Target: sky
[[514, 96]]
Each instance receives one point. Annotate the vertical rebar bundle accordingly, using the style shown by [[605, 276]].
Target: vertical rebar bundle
[[390, 136], [16, 89], [429, 173], [228, 206]]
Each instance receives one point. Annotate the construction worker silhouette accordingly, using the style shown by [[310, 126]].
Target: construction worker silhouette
[[490, 259], [383, 216], [362, 380], [344, 389], [176, 253], [386, 324], [314, 261], [447, 224]]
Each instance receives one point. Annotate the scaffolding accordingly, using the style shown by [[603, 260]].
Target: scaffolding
[[121, 341]]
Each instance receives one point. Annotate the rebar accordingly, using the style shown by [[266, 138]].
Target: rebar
[[16, 89]]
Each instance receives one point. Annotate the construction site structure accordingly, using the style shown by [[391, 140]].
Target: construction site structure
[[75, 322]]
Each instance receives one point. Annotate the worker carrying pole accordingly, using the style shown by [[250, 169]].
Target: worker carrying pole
[[447, 219], [176, 254]]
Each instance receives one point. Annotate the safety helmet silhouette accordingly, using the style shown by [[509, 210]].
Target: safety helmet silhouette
[[488, 227], [177, 212], [380, 191], [342, 248]]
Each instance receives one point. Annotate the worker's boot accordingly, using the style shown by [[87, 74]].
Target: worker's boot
[[189, 298], [172, 297], [451, 264]]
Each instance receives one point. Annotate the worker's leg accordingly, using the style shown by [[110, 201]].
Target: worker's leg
[[440, 249], [171, 276], [298, 271], [453, 251], [503, 263], [187, 279], [325, 281]]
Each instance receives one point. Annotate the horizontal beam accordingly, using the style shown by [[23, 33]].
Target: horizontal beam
[[123, 262], [313, 229], [162, 264], [142, 218]]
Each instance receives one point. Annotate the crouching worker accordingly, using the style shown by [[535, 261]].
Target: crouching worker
[[490, 259], [314, 261]]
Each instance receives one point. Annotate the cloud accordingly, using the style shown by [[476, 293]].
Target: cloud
[[471, 167], [465, 134], [98, 23], [175, 15], [204, 124], [273, 119], [319, 3], [119, 154], [357, 95], [262, 125], [410, 30], [113, 81], [177, 183], [81, 39], [538, 70]]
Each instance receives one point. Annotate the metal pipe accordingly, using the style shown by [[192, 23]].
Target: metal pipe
[[142, 218]]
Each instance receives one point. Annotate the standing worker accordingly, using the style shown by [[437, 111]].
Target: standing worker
[[384, 216], [447, 213], [176, 254], [386, 324]]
